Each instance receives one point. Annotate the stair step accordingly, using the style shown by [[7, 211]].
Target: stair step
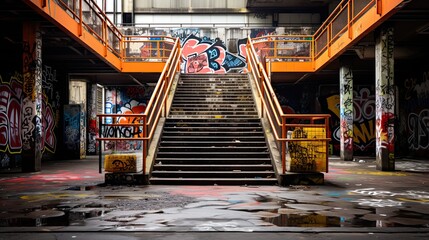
[[212, 133], [211, 143], [181, 116], [213, 160], [216, 138], [213, 105], [211, 128], [214, 122], [213, 181], [211, 148], [213, 113], [212, 108], [214, 174], [213, 154], [213, 167]]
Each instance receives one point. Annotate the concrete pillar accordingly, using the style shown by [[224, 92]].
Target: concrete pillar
[[346, 113], [32, 125], [384, 100]]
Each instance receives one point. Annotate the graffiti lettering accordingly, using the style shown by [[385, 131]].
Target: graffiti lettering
[[208, 56], [418, 125]]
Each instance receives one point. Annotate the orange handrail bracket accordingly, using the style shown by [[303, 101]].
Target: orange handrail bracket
[[281, 124], [144, 124]]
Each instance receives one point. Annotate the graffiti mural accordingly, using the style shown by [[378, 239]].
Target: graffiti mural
[[19, 123], [125, 100], [208, 56], [72, 122], [363, 120], [414, 115]]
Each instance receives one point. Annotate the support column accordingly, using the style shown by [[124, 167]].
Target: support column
[[346, 113], [32, 126], [384, 100]]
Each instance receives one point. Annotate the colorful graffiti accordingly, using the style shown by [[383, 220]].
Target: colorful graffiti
[[363, 120], [346, 113], [72, 122], [125, 100], [385, 100], [19, 125], [208, 56], [414, 106]]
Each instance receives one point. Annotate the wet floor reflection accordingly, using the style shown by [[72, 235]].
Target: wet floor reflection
[[160, 209]]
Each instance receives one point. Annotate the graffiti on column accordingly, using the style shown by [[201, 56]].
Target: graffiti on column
[[385, 102], [363, 120], [92, 121], [208, 56], [346, 109]]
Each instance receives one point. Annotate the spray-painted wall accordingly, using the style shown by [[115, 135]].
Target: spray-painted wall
[[413, 138], [214, 50], [312, 98], [126, 100], [18, 124]]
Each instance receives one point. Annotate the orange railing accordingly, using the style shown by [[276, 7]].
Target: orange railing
[[84, 17], [315, 127], [141, 127], [147, 48], [349, 21], [340, 22], [284, 47]]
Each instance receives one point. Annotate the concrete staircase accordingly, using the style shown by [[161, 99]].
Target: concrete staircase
[[213, 135]]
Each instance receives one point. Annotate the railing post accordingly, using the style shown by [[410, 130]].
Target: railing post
[[350, 7], [327, 135], [328, 41], [145, 141], [104, 36], [100, 132], [261, 84], [379, 6], [80, 30], [283, 142]]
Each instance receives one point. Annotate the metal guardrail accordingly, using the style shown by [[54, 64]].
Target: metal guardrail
[[302, 138], [141, 127], [90, 17]]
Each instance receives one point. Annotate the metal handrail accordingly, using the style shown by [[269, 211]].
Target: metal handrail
[[271, 108], [157, 106]]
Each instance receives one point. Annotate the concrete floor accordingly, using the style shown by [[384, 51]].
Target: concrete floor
[[68, 200]]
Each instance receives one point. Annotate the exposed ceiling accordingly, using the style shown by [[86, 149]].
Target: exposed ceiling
[[62, 52]]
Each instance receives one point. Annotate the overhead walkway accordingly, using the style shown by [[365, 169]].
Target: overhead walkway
[[348, 23], [86, 23]]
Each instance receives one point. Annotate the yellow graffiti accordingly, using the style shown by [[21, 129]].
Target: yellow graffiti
[[414, 200], [333, 103], [362, 133], [50, 196], [399, 174]]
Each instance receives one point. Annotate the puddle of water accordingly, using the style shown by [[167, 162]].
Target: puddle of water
[[49, 215], [356, 217]]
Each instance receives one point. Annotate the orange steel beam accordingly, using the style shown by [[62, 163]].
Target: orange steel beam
[[356, 28], [143, 67], [73, 27], [360, 27]]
